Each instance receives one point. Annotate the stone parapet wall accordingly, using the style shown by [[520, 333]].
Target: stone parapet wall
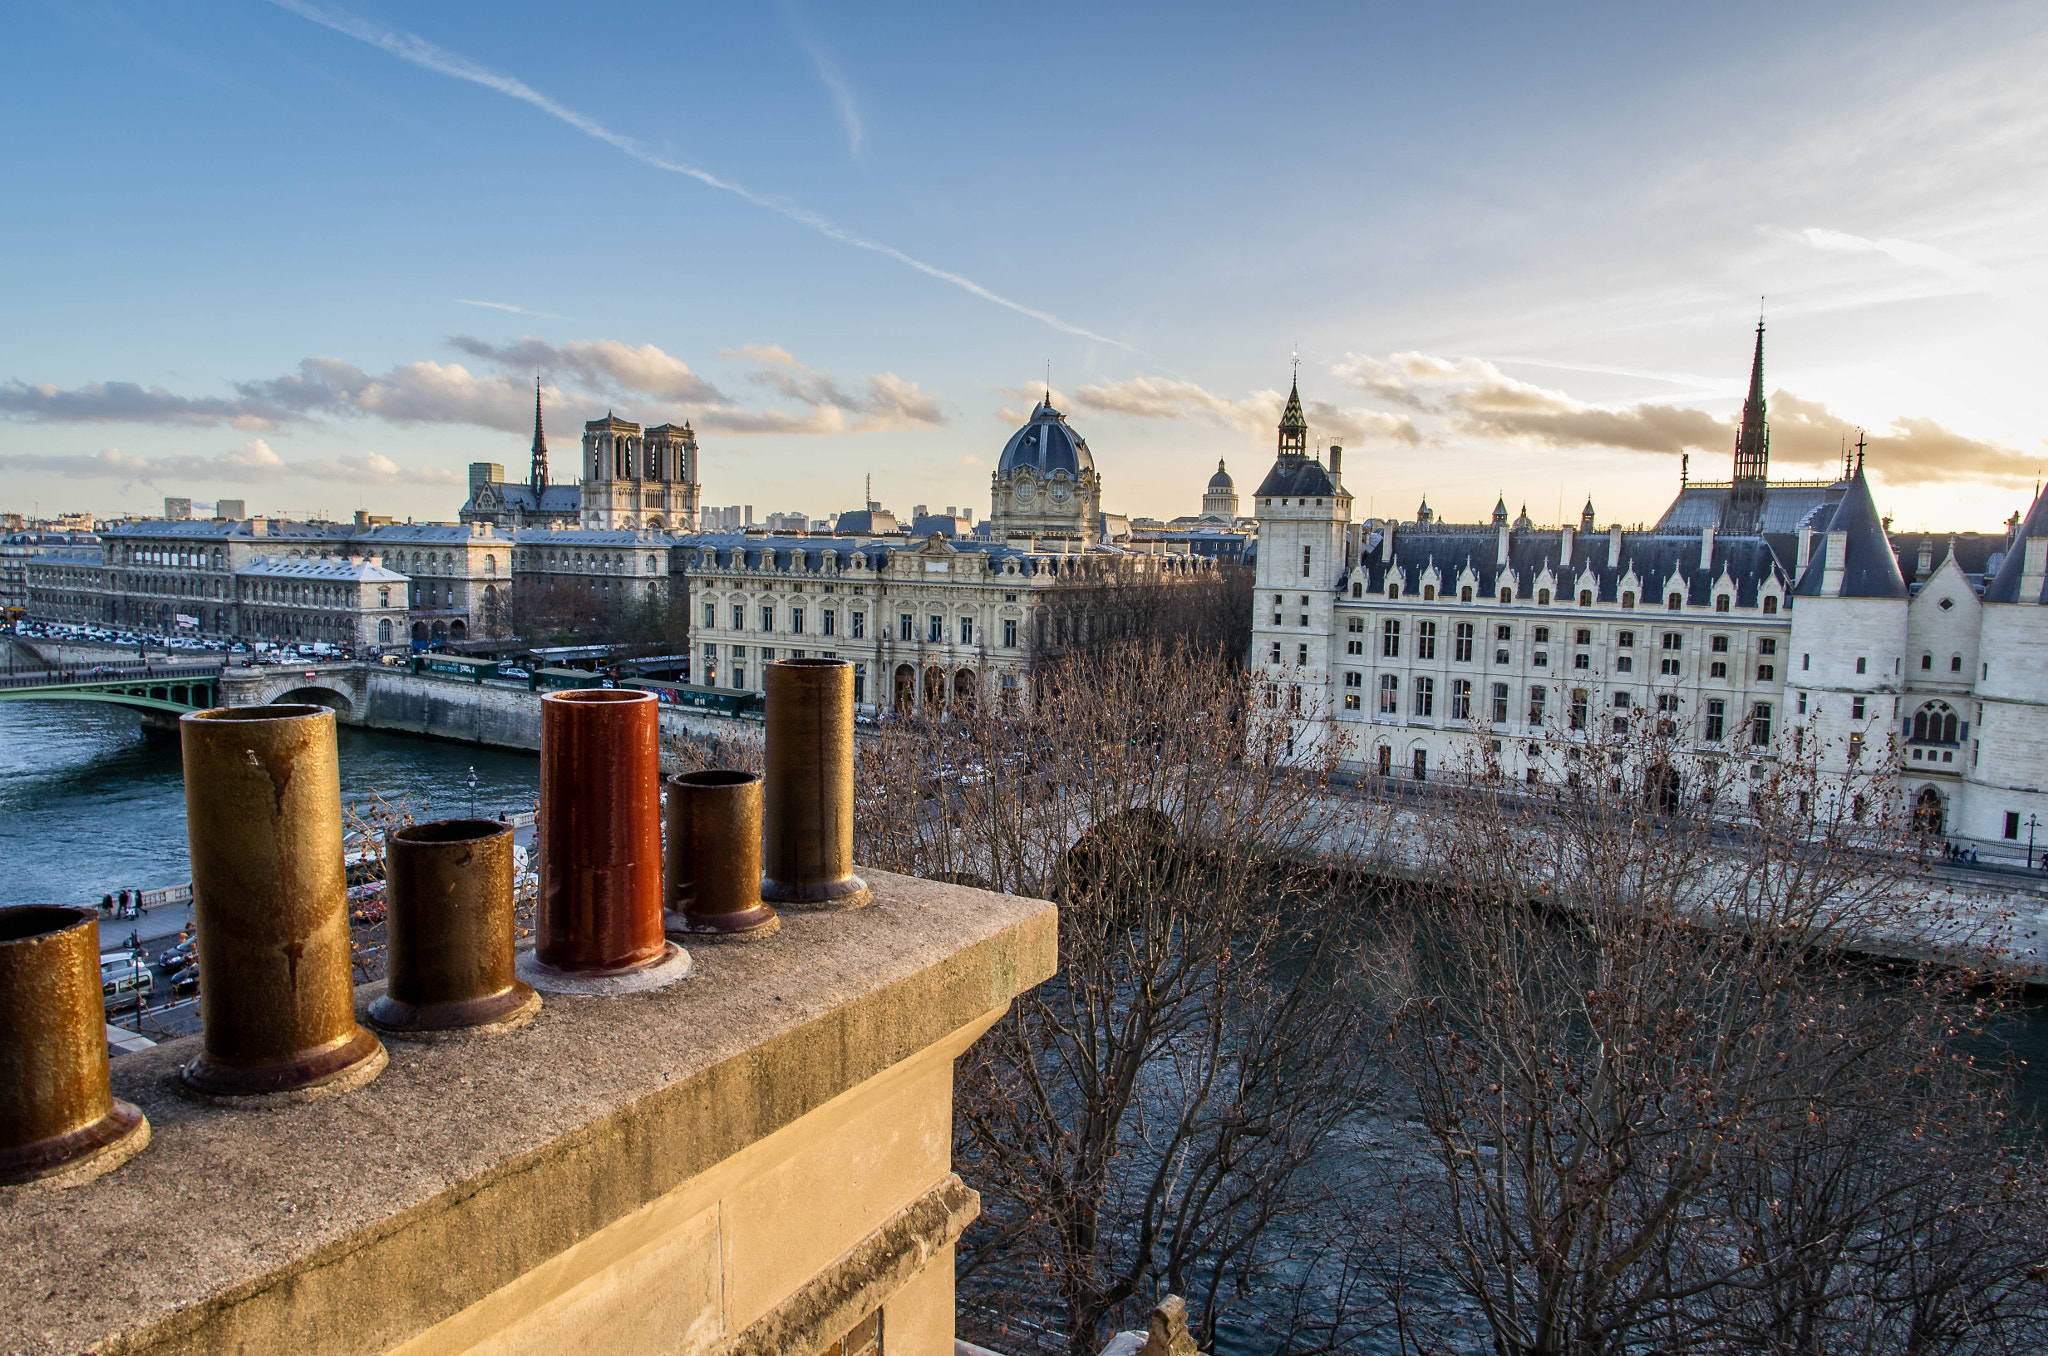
[[757, 1159]]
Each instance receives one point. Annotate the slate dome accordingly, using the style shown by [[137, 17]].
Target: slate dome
[[1221, 480], [1046, 445]]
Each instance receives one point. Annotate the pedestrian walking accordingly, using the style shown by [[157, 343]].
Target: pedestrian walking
[[107, 904]]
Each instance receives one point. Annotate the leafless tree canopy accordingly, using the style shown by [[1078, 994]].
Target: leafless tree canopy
[[1556, 1069]]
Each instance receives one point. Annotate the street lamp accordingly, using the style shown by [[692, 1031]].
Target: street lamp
[[471, 783], [2033, 822]]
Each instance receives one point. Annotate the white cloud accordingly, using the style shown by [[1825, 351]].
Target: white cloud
[[253, 463], [835, 84], [1257, 415], [1911, 253], [655, 384]]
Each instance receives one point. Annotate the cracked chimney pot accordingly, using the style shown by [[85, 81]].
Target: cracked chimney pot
[[59, 1122], [808, 801], [448, 888], [270, 901]]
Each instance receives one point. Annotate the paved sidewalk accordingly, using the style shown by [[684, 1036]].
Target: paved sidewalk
[[156, 924]]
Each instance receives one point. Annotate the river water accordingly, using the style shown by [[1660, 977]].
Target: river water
[[91, 803]]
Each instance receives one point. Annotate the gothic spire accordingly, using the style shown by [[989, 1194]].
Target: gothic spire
[[539, 475], [1753, 443], [1294, 425]]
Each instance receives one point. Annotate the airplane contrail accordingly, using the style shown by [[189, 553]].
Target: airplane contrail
[[410, 47]]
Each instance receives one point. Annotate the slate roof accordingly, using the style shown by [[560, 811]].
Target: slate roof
[[346, 570], [1869, 569], [553, 498], [1653, 556], [1785, 507], [2005, 585], [1046, 445], [219, 530], [1221, 480], [1295, 477]]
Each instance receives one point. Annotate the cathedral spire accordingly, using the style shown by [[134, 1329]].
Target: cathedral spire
[[539, 474], [1294, 425], [1753, 443], [1743, 510]]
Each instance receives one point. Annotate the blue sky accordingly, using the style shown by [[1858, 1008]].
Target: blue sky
[[313, 255]]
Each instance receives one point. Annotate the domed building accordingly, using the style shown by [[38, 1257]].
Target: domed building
[[1220, 500], [1045, 484]]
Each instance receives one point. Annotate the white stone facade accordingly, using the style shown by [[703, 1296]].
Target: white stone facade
[[1430, 650]]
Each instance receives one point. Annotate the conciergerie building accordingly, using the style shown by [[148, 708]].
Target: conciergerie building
[[1754, 617]]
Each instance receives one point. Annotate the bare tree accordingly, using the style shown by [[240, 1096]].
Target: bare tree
[[1661, 1106], [1142, 1123]]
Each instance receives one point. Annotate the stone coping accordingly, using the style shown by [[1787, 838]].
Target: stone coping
[[375, 1214]]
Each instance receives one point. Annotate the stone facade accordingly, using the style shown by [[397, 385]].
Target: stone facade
[[941, 623], [597, 565], [455, 581], [1423, 649], [350, 602], [634, 479]]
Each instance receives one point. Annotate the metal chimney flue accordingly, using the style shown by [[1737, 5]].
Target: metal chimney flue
[[713, 857], [599, 919], [448, 897], [59, 1123], [807, 815], [270, 901]]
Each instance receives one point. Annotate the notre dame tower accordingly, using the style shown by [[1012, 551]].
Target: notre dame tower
[[633, 479]]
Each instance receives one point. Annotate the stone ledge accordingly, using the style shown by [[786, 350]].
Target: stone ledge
[[856, 1284], [357, 1223]]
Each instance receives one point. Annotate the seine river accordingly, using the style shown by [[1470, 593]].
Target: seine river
[[89, 803]]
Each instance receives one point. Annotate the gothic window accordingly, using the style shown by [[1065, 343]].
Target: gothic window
[[1390, 694], [1462, 651], [1461, 699], [1390, 639], [1935, 723], [1425, 696], [1425, 640], [1760, 723]]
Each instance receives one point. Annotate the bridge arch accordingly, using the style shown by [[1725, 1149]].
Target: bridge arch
[[338, 702]]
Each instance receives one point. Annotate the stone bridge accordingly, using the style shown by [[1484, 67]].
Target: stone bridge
[[343, 686]]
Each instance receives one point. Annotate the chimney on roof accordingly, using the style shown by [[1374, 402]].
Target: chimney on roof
[[1707, 547], [1614, 546], [1336, 464]]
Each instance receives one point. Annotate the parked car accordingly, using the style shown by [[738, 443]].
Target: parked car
[[125, 981]]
